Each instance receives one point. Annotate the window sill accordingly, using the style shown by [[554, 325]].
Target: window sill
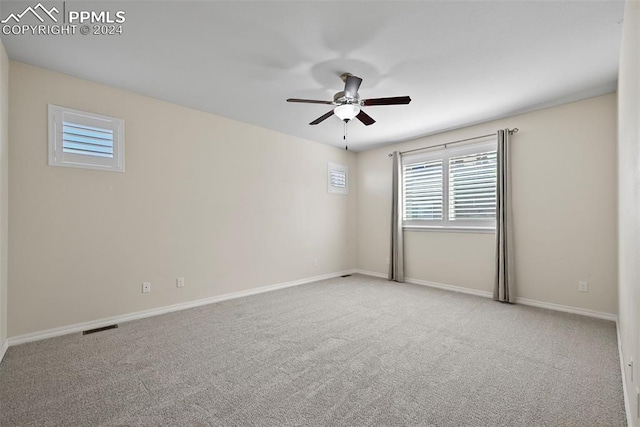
[[478, 230]]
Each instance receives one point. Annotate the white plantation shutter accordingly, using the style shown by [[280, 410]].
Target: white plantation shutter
[[85, 140], [423, 190], [337, 178], [472, 186], [451, 187]]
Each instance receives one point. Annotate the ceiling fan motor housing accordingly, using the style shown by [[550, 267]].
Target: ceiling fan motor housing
[[340, 99]]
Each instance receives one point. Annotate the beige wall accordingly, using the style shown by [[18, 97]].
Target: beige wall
[[4, 188], [629, 200], [227, 205], [230, 206], [564, 180]]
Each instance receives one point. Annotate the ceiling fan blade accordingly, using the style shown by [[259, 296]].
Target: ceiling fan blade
[[396, 100], [351, 86], [322, 118], [365, 118], [309, 101]]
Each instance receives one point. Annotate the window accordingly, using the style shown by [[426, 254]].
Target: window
[[85, 140], [451, 188], [338, 178]]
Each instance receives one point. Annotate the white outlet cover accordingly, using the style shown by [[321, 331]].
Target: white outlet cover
[[180, 282], [146, 287]]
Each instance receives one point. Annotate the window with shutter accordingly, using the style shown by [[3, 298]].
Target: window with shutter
[[85, 140], [337, 178], [423, 191], [452, 188], [472, 186]]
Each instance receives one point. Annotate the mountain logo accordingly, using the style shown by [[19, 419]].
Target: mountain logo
[[34, 11]]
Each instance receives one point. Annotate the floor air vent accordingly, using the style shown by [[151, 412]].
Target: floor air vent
[[104, 328], [346, 275]]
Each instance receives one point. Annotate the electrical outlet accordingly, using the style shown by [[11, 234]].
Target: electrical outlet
[[146, 287], [180, 282], [583, 286], [315, 262]]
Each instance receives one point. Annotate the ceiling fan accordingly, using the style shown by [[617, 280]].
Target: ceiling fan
[[348, 103]]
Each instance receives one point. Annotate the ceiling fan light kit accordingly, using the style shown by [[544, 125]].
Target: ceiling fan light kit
[[346, 112]]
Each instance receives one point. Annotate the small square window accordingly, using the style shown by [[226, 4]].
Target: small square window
[[338, 178], [79, 139]]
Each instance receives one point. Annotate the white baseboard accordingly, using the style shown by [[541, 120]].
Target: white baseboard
[[3, 349], [568, 309], [453, 288], [487, 294], [463, 290], [79, 327], [371, 273], [627, 404]]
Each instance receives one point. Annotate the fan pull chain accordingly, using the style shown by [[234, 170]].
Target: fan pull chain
[[346, 146]]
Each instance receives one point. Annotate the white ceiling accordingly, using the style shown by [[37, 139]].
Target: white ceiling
[[461, 62]]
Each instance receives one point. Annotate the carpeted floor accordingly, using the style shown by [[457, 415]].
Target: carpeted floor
[[356, 351]]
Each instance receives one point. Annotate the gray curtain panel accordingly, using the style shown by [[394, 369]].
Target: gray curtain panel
[[504, 288], [396, 259]]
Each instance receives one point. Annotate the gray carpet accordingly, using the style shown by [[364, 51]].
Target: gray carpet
[[354, 351]]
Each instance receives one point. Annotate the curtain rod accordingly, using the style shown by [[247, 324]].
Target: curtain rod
[[511, 132]]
